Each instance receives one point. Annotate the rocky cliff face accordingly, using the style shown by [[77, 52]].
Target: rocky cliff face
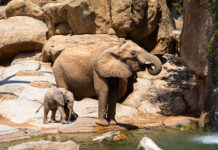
[[197, 31], [149, 23], [33, 34]]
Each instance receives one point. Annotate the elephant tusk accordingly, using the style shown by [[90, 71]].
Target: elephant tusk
[[147, 63]]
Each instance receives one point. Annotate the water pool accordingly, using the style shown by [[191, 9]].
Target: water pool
[[167, 139]]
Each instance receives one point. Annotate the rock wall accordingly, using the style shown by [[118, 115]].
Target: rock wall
[[36, 31], [197, 30], [148, 23], [19, 34]]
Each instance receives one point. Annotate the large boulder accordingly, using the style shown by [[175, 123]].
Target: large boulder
[[2, 12], [196, 33], [55, 14], [58, 43], [89, 16], [199, 24], [19, 34], [24, 8], [165, 92], [147, 23], [45, 145], [136, 19], [165, 36]]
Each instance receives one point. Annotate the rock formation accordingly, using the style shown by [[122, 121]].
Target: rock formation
[[197, 30], [33, 33], [19, 34], [45, 145]]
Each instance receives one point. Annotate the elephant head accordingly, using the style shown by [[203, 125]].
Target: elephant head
[[68, 99], [121, 61]]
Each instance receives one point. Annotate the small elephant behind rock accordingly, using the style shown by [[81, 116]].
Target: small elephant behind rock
[[61, 99]]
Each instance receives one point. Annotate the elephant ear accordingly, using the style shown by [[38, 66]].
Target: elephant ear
[[109, 64], [59, 97], [69, 97]]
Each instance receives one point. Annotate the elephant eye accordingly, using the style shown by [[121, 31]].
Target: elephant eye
[[133, 53]]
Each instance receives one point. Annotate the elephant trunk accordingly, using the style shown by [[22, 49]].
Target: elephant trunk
[[152, 60], [70, 113]]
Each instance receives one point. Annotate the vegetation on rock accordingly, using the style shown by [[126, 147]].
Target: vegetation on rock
[[178, 5], [212, 56], [213, 8]]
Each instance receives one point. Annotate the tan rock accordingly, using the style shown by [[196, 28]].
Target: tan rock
[[111, 136], [27, 56], [43, 2], [165, 36], [40, 84], [89, 16], [2, 12], [19, 34], [163, 93], [55, 13], [23, 8], [179, 121], [58, 43], [63, 29], [7, 96], [136, 19], [197, 23], [197, 31], [46, 145]]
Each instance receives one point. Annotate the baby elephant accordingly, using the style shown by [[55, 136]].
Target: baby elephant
[[61, 99]]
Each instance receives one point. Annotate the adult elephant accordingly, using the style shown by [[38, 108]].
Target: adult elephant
[[87, 73]]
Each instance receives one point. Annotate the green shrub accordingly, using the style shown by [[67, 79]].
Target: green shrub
[[212, 5], [178, 5]]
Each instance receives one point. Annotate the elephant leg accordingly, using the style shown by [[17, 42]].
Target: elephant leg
[[59, 78], [113, 95], [46, 110], [63, 115], [66, 110], [102, 110], [102, 90], [74, 115], [112, 111], [53, 115]]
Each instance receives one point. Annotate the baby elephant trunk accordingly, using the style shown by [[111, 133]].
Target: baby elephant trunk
[[70, 113]]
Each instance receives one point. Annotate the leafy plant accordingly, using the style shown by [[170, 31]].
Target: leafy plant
[[178, 5], [212, 5]]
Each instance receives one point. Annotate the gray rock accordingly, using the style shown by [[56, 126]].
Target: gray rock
[[45, 145], [162, 93], [111, 136]]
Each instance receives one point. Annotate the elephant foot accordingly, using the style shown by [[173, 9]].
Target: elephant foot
[[64, 122], [74, 115], [203, 119], [45, 121], [113, 122], [53, 121], [102, 122]]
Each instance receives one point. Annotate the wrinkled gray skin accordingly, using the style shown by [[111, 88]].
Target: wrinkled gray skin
[[61, 99], [90, 72]]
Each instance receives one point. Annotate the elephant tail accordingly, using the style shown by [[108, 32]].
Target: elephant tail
[[39, 108]]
